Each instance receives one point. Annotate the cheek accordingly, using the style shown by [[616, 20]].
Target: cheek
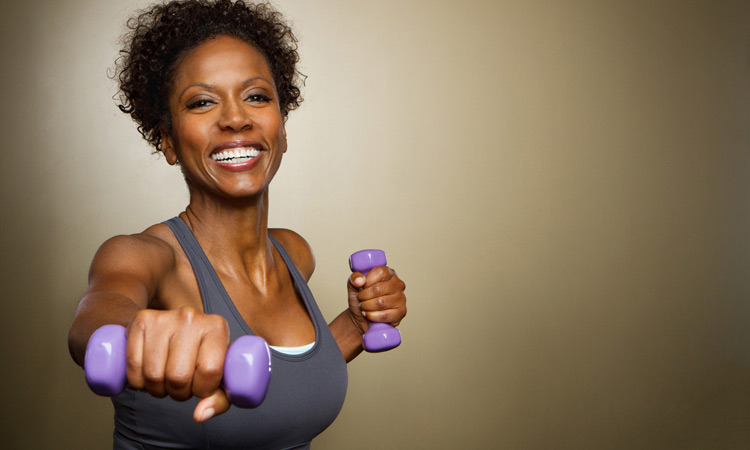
[[189, 136], [276, 125]]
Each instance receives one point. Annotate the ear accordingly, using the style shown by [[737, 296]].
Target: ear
[[167, 147], [283, 130]]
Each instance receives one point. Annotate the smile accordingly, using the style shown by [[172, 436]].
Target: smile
[[235, 156]]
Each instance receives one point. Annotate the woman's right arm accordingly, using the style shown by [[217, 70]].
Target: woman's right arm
[[176, 350], [122, 279]]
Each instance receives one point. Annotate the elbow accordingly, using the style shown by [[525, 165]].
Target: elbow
[[74, 346]]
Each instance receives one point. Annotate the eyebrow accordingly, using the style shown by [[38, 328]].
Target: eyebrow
[[211, 87]]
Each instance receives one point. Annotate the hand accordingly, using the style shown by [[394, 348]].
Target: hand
[[378, 297], [179, 353]]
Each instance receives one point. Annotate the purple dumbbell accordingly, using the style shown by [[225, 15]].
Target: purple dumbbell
[[247, 366], [381, 336]]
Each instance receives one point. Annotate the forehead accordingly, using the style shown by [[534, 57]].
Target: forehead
[[221, 59]]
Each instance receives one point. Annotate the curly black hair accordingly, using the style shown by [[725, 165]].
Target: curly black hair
[[159, 39]]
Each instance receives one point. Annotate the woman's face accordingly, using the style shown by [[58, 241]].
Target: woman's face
[[227, 130]]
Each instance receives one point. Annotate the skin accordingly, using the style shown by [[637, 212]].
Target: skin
[[223, 93]]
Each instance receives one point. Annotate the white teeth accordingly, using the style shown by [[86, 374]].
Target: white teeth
[[229, 155]]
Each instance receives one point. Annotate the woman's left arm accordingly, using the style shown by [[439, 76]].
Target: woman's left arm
[[378, 297]]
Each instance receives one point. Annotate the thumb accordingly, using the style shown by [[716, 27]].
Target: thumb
[[357, 281], [213, 405], [355, 284]]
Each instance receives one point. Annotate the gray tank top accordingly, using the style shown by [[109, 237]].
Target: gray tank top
[[305, 395]]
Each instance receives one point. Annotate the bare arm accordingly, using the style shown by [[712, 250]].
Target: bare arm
[[380, 296], [122, 279], [178, 351], [348, 335]]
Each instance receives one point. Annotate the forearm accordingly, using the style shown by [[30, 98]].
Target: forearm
[[348, 335], [94, 310]]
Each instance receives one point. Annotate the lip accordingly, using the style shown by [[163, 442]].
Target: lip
[[237, 144], [239, 167], [242, 166]]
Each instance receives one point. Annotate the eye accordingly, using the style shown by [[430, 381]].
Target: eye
[[200, 103], [258, 98]]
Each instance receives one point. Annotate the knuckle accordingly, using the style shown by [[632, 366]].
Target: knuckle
[[140, 321], [153, 377], [187, 314], [147, 315], [132, 364], [219, 324], [142, 314], [178, 384], [377, 289], [217, 329], [210, 370]]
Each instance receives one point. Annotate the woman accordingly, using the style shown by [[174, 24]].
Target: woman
[[210, 85]]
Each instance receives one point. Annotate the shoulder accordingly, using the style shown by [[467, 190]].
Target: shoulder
[[145, 255], [297, 248]]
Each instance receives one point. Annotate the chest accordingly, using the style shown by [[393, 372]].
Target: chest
[[277, 313]]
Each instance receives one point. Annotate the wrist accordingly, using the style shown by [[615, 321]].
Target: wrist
[[359, 324], [347, 331]]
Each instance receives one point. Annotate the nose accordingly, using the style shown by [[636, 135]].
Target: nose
[[235, 116]]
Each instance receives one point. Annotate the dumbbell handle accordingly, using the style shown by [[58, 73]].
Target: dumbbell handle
[[247, 366], [381, 336]]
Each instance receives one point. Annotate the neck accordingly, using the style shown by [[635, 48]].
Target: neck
[[233, 233]]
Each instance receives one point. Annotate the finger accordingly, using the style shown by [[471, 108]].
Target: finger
[[392, 316], [209, 363], [180, 365], [389, 286], [354, 284], [134, 356], [383, 302], [211, 406], [155, 352], [378, 274]]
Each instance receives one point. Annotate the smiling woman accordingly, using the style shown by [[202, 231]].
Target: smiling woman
[[210, 85]]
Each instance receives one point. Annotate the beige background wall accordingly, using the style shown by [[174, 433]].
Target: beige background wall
[[562, 184]]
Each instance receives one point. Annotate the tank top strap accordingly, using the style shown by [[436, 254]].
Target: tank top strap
[[299, 281], [214, 296], [198, 260], [302, 288]]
